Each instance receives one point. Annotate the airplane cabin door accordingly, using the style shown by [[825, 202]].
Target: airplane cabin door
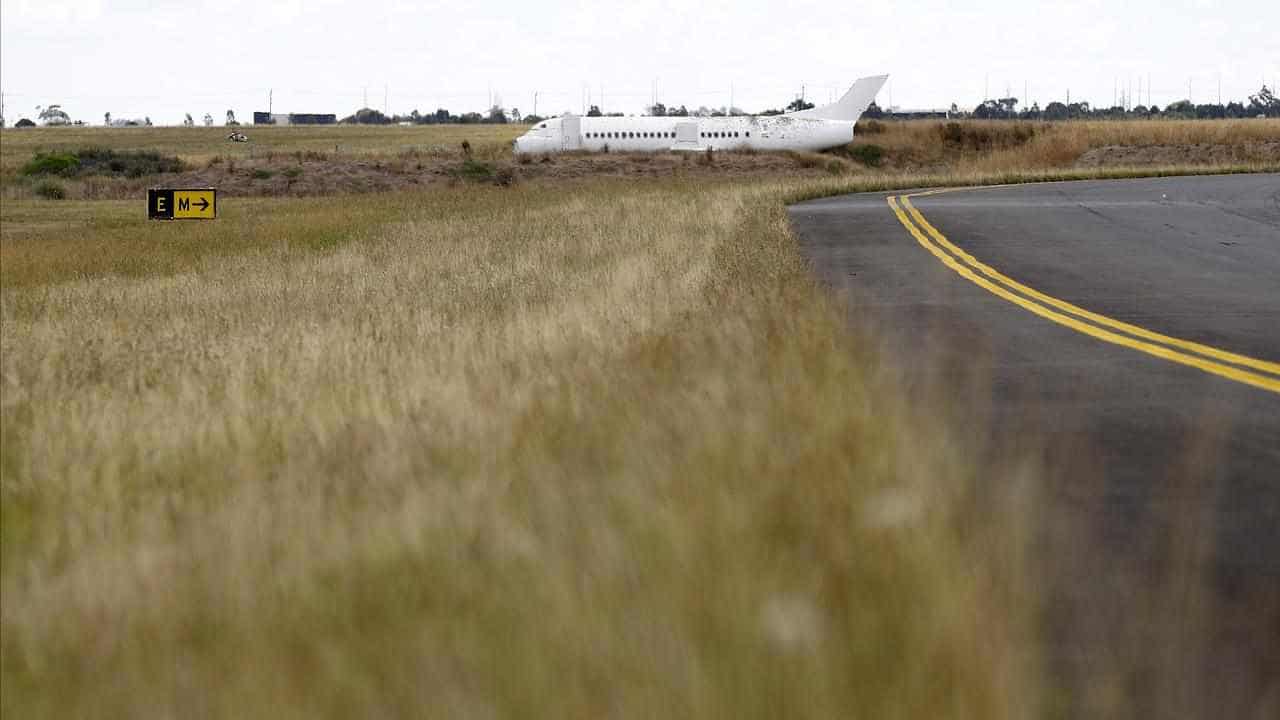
[[687, 132], [570, 132]]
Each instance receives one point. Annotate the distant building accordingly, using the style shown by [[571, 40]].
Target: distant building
[[897, 113], [262, 118]]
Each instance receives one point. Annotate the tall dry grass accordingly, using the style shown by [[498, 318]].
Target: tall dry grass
[[525, 452], [1004, 146]]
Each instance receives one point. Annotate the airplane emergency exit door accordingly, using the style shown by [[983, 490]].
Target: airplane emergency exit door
[[571, 132]]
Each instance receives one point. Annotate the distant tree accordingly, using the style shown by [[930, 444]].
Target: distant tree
[[441, 115], [799, 104], [1264, 103], [1078, 110], [188, 122], [989, 109], [682, 112], [24, 123], [515, 115], [1236, 109], [53, 115], [208, 120], [533, 119], [231, 118], [470, 118], [147, 121], [1055, 111], [1211, 112], [106, 119], [658, 110], [873, 111], [595, 111], [366, 116], [496, 115], [1180, 109]]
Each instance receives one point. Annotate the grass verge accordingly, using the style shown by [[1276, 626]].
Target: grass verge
[[511, 451]]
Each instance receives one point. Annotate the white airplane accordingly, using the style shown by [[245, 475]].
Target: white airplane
[[815, 129]]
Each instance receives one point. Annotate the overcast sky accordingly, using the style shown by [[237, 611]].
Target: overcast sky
[[163, 58]]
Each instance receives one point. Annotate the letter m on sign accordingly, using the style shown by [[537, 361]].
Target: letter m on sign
[[184, 203]]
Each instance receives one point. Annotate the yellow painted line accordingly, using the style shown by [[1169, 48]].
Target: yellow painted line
[[1206, 350], [1160, 351]]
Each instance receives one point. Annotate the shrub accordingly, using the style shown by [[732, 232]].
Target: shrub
[[64, 164], [261, 174], [952, 133], [869, 155], [474, 170], [293, 173], [870, 127], [51, 190], [134, 164]]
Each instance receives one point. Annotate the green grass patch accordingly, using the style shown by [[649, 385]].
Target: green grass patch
[[64, 164]]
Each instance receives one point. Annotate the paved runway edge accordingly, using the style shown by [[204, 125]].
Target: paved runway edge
[[1087, 322]]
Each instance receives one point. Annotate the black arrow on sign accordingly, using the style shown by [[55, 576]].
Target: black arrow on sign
[[204, 204]]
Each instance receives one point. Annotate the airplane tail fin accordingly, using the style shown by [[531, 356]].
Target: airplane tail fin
[[850, 107]]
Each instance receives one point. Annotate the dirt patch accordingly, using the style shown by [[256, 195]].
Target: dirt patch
[[1199, 154], [291, 177]]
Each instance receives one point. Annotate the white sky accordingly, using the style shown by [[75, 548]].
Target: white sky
[[165, 57]]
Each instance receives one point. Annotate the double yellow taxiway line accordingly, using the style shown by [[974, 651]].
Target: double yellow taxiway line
[[1241, 368]]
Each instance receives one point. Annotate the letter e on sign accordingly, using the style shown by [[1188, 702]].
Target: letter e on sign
[[182, 204]]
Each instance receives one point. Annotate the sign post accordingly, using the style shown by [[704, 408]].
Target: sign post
[[182, 203]]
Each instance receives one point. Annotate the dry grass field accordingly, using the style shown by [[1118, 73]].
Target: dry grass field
[[565, 448]]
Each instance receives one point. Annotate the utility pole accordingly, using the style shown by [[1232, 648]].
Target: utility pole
[[366, 97], [535, 103], [269, 105], [386, 100]]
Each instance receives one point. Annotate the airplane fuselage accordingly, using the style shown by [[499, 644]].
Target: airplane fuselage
[[657, 134]]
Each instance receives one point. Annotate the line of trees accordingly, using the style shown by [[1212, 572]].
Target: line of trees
[[496, 115], [1264, 103]]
